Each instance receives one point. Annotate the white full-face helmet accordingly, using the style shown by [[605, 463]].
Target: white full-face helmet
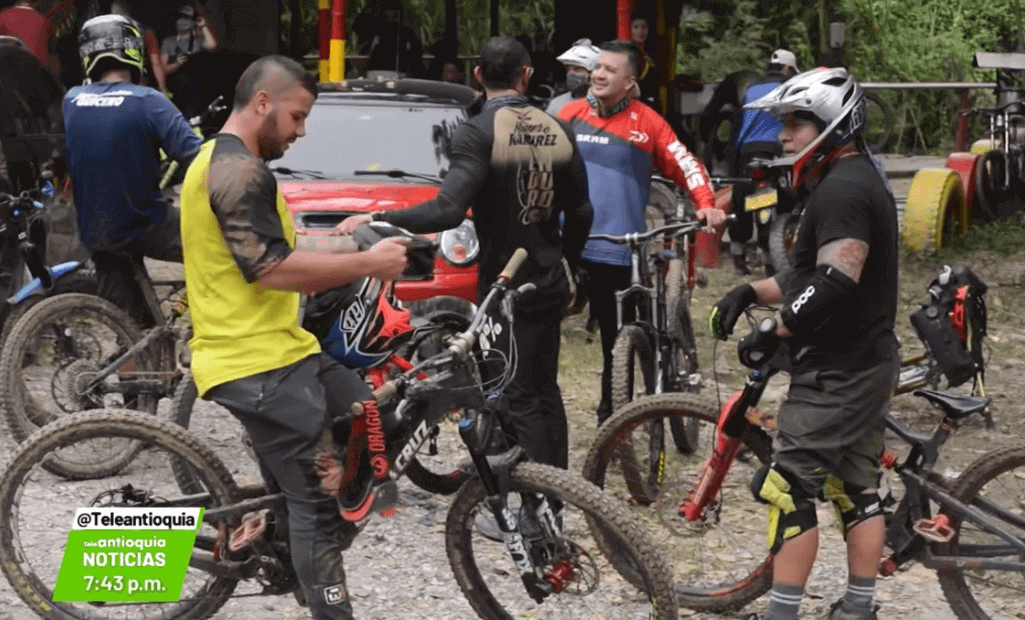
[[582, 54], [831, 98]]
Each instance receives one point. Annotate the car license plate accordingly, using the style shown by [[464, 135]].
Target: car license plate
[[762, 200]]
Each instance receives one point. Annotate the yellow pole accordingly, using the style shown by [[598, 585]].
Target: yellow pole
[[336, 68]]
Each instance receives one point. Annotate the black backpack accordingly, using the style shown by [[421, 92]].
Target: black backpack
[[952, 323]]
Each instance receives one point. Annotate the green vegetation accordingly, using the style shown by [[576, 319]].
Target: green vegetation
[[886, 41]]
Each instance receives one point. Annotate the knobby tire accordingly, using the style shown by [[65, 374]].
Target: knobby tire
[[484, 570], [37, 509], [719, 564]]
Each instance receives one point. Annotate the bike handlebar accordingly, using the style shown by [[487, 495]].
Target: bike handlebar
[[993, 111], [461, 344]]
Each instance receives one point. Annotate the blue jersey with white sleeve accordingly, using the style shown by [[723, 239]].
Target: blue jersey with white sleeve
[[114, 132]]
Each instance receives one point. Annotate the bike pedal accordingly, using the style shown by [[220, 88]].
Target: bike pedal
[[251, 529], [936, 530]]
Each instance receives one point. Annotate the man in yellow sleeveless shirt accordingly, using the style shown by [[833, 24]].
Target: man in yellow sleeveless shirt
[[249, 353]]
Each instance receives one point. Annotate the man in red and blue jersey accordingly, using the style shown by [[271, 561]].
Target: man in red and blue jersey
[[622, 141]]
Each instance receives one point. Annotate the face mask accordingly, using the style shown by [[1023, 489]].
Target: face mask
[[574, 81], [184, 24]]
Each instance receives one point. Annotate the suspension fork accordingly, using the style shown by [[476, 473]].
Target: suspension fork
[[733, 422], [494, 473]]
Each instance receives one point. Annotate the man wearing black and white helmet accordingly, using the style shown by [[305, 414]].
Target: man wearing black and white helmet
[[838, 303], [579, 62], [114, 128]]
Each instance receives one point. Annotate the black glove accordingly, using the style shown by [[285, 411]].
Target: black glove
[[756, 348], [728, 309]]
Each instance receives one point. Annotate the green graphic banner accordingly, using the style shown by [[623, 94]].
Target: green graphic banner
[[122, 555]]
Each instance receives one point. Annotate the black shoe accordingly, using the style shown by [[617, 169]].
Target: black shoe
[[604, 412], [740, 265]]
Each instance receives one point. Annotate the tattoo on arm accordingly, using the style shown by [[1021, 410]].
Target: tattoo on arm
[[848, 255]]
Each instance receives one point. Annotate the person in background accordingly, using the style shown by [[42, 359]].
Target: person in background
[[622, 141], [647, 79], [192, 35], [578, 61], [393, 46], [24, 22], [114, 129], [757, 137], [521, 171]]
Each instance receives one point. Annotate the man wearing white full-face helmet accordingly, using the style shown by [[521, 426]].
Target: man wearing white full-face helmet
[[838, 305], [579, 62]]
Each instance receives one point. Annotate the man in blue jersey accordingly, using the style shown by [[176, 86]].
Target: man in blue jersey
[[114, 129], [757, 138]]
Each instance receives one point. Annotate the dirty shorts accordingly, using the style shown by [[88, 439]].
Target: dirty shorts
[[833, 421]]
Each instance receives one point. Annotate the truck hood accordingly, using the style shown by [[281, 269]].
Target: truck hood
[[354, 197]]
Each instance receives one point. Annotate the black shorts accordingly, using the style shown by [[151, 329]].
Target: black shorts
[[832, 421]]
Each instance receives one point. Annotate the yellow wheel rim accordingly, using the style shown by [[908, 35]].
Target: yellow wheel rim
[[936, 207]]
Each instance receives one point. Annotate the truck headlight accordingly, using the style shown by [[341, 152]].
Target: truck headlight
[[459, 246]]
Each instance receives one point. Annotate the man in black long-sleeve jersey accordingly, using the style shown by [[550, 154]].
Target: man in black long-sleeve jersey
[[519, 169]]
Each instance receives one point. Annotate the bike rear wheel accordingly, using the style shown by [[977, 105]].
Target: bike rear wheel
[[50, 357], [491, 582], [718, 564], [782, 236], [995, 486], [37, 509]]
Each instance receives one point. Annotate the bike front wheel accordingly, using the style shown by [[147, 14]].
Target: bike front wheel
[[37, 509], [591, 586], [720, 562], [994, 485], [50, 367]]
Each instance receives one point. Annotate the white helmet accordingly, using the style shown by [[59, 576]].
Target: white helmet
[[784, 58], [830, 97], [582, 54]]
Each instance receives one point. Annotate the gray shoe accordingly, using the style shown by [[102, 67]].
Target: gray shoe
[[837, 612]]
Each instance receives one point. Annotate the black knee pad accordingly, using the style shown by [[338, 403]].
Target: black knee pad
[[854, 503]]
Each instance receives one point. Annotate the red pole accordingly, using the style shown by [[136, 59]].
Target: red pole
[[323, 37], [624, 8]]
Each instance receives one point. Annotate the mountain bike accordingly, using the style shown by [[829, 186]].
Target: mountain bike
[[73, 352], [1000, 171], [547, 564], [971, 530], [656, 352], [427, 469], [22, 247]]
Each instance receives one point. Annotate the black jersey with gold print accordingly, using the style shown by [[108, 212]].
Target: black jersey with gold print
[[519, 169]]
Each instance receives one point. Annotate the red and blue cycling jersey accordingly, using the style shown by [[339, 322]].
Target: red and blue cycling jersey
[[620, 151]]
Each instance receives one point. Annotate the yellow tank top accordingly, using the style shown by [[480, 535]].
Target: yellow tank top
[[240, 328]]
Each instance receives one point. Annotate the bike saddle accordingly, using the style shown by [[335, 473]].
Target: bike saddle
[[955, 406]]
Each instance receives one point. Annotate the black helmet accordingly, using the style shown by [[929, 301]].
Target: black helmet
[[115, 37]]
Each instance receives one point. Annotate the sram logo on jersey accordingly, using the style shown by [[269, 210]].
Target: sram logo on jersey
[[106, 100], [594, 139]]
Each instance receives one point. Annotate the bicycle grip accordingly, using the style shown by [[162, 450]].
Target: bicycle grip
[[513, 265], [386, 390]]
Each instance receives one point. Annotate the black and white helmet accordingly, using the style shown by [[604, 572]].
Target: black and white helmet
[[829, 97]]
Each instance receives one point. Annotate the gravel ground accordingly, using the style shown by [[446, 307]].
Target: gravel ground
[[397, 567]]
